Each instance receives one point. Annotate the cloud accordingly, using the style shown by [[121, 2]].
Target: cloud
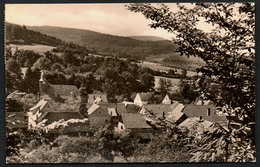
[[112, 19]]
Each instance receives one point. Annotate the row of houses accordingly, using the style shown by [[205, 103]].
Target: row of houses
[[124, 116]]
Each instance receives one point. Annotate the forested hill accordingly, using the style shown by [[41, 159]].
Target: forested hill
[[108, 44], [147, 38], [17, 34]]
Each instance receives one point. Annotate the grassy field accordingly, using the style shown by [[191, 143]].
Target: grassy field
[[158, 66], [35, 47], [176, 61]]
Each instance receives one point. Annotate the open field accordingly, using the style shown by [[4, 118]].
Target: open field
[[35, 47], [157, 66]]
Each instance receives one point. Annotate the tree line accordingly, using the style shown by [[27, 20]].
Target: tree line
[[109, 75]]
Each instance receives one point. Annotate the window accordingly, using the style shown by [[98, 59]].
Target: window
[[208, 112]]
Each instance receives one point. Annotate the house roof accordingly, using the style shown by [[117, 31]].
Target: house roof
[[222, 120], [192, 110], [132, 121], [93, 108], [178, 108], [40, 105], [56, 116], [132, 108], [203, 102], [127, 102], [175, 115], [109, 107], [158, 109], [121, 108], [193, 122], [175, 104], [66, 90], [145, 96], [92, 97], [112, 112]]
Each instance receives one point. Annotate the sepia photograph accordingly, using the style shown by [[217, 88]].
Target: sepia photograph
[[130, 83]]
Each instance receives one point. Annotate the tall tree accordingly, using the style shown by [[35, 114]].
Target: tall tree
[[30, 83], [165, 86], [228, 50], [13, 75]]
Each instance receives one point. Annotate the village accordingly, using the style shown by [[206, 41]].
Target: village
[[138, 115], [176, 83]]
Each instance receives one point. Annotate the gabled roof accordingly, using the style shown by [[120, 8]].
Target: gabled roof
[[145, 96], [134, 121], [92, 97], [175, 104], [193, 122], [93, 108], [66, 90], [112, 112], [40, 105], [222, 120], [127, 102], [62, 90], [109, 107], [192, 110], [166, 96], [178, 108], [121, 108], [56, 116], [203, 102], [132, 108], [158, 109], [175, 115]]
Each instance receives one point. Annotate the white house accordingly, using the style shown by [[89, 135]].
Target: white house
[[142, 98], [166, 100], [34, 114]]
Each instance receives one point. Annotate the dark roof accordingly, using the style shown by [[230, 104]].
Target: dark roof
[[132, 108], [132, 121], [56, 116], [158, 109], [222, 120], [192, 110], [145, 96], [194, 122], [121, 108], [66, 90], [107, 105]]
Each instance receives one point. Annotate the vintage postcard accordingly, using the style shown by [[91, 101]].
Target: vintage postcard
[[130, 83]]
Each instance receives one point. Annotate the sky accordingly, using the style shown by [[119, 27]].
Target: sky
[[112, 19]]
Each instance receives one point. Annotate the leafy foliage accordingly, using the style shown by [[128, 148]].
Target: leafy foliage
[[229, 52]]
